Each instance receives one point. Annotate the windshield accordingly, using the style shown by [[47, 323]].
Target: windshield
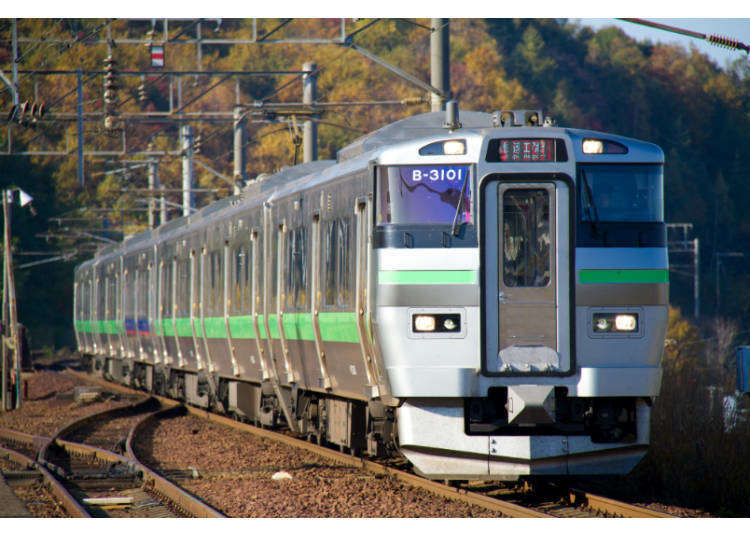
[[423, 194], [621, 193]]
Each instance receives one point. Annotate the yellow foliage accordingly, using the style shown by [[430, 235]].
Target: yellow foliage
[[684, 346]]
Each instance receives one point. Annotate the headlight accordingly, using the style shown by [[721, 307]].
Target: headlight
[[615, 323], [626, 322], [590, 146], [452, 147], [436, 323], [593, 147], [449, 324], [424, 323]]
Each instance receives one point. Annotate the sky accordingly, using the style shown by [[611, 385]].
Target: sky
[[736, 28]]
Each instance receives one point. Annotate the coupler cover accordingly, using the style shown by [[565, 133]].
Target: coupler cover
[[531, 404]]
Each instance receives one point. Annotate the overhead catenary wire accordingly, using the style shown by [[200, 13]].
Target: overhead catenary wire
[[47, 59], [711, 38], [31, 49]]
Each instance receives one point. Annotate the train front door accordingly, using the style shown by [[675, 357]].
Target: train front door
[[526, 256]]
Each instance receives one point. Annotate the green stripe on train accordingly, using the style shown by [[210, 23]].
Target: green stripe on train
[[623, 276], [334, 327], [427, 277]]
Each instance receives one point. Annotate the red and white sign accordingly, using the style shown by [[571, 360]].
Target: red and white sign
[[157, 56]]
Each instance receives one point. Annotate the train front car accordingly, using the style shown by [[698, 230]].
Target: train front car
[[521, 297]]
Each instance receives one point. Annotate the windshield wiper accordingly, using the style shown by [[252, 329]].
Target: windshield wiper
[[590, 205], [459, 207]]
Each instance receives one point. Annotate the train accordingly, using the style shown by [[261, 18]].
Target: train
[[482, 294]]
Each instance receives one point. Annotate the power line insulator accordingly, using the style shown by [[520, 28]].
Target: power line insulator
[[197, 144], [142, 92], [110, 96]]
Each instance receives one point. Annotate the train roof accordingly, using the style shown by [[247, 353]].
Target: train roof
[[418, 126], [354, 156]]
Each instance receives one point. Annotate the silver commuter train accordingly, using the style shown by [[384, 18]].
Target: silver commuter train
[[488, 298]]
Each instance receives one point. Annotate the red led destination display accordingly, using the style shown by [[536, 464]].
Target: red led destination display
[[526, 150]]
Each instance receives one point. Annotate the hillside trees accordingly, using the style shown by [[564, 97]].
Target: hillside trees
[[698, 113]]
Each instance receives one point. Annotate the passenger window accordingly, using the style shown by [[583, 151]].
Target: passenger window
[[235, 279], [338, 265], [331, 230], [246, 273], [299, 267], [344, 252]]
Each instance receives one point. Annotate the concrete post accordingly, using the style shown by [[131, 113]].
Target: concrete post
[[187, 169], [240, 139], [309, 96]]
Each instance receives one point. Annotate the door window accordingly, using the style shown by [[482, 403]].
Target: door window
[[526, 238]]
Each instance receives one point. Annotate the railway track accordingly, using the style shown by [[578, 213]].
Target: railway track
[[566, 502], [81, 467]]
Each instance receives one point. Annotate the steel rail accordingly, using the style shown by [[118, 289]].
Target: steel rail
[[151, 479], [495, 505], [612, 506], [86, 420], [72, 506], [576, 496], [14, 436], [477, 499]]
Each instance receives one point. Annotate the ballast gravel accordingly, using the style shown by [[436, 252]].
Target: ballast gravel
[[50, 404], [236, 476]]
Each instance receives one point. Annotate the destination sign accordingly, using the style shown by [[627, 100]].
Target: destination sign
[[526, 150]]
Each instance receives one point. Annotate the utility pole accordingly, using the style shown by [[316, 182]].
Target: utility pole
[[440, 61], [309, 96], [240, 138], [4, 348], [187, 169], [696, 280], [10, 322], [79, 75], [153, 183], [680, 244], [15, 61]]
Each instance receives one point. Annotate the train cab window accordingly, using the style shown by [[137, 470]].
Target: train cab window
[[526, 238], [424, 194], [621, 193]]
